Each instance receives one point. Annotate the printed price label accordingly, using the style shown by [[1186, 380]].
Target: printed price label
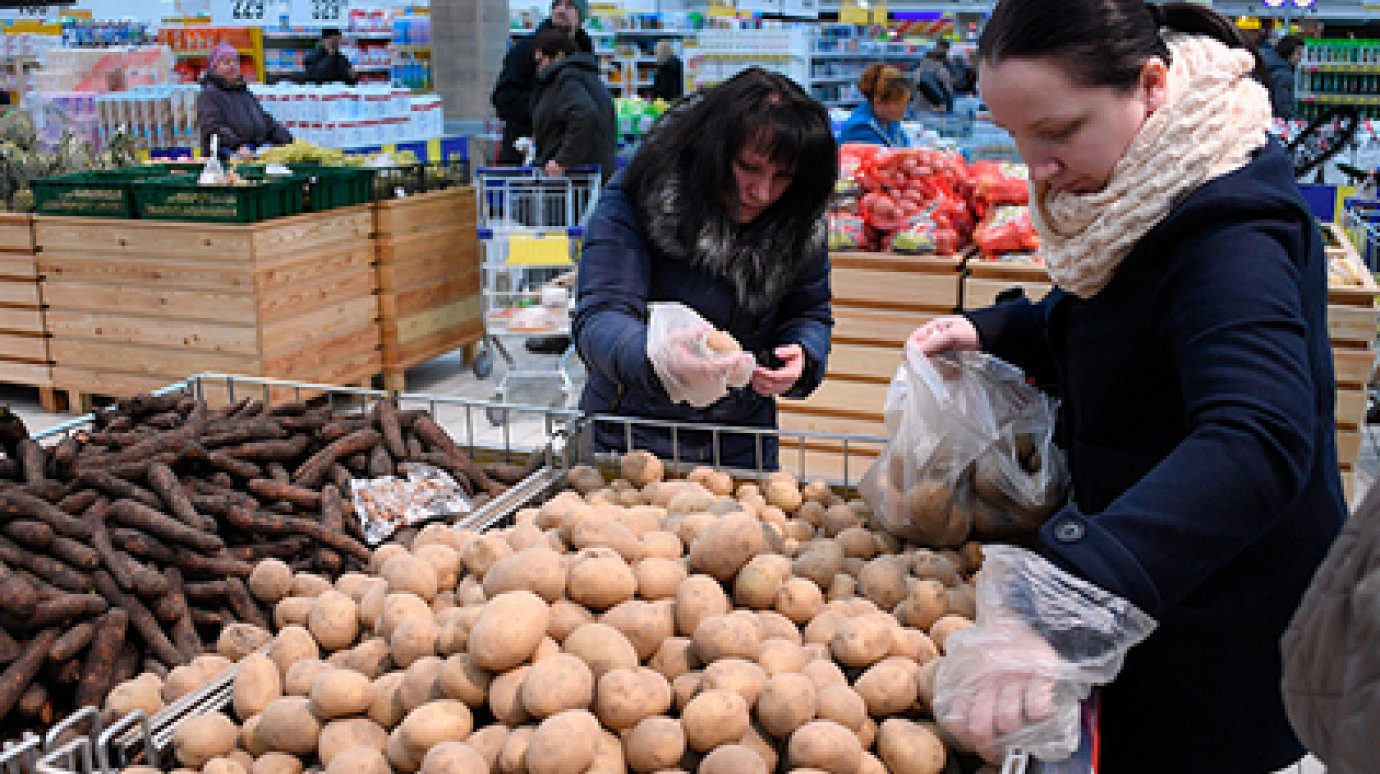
[[318, 13], [238, 13]]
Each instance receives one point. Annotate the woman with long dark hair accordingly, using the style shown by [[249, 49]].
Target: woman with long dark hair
[[1187, 336], [722, 210]]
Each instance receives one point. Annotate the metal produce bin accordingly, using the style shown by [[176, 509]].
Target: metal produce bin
[[564, 437]]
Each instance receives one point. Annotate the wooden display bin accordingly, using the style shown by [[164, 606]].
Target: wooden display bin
[[428, 279], [135, 305], [24, 357], [984, 280], [879, 298]]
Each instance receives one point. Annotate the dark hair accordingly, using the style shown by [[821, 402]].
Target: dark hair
[[330, 32], [554, 40], [883, 83], [1288, 44], [1098, 42], [703, 136]]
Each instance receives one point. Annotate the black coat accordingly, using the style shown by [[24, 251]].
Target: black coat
[[1278, 75], [668, 82], [573, 115], [235, 115], [1198, 417], [324, 66], [512, 95]]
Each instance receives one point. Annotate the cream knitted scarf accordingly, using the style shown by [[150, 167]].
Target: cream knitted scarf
[[1215, 116]]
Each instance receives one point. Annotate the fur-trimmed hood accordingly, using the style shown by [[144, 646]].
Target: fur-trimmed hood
[[760, 260]]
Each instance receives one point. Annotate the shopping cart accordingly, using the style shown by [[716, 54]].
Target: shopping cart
[[530, 225], [1361, 221]]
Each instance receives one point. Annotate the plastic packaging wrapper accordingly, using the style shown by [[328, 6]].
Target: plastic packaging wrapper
[[971, 449], [690, 371], [1042, 639], [997, 183], [386, 504]]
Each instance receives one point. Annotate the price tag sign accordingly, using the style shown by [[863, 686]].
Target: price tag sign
[[239, 13], [318, 13], [36, 12]]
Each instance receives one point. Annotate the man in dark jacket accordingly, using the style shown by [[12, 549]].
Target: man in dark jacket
[[1279, 61], [512, 95], [226, 109], [573, 116], [325, 64]]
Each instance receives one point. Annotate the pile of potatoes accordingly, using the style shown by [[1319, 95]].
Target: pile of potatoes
[[635, 624]]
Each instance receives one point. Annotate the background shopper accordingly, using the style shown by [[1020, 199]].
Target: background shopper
[[226, 109], [512, 95], [877, 121]]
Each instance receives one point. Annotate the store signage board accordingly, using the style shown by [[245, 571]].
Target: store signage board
[[759, 6], [318, 13], [241, 13], [38, 12]]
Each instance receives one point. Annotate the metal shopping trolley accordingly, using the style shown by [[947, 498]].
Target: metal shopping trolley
[[530, 225]]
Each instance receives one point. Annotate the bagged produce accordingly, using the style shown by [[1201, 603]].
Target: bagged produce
[[971, 450], [389, 503], [847, 232], [1007, 230], [995, 183]]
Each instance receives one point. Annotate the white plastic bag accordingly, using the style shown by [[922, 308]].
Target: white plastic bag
[[689, 370], [212, 173], [971, 448], [1042, 639]]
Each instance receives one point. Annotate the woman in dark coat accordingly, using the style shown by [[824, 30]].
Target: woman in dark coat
[[572, 111], [668, 82], [722, 210], [1187, 336], [225, 108]]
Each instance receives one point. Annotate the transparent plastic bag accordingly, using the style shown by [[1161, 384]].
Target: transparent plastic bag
[[971, 447], [690, 371], [386, 504], [1042, 639]]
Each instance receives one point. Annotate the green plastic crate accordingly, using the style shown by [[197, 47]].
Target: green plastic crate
[[170, 198], [86, 194], [326, 187]]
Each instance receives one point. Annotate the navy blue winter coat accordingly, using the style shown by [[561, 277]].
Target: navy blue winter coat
[[1198, 416], [620, 273]]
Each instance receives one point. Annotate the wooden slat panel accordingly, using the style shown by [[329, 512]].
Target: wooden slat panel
[[860, 325], [22, 347], [350, 355], [304, 331], [311, 267], [896, 262], [315, 232], [864, 363], [1351, 408], [437, 319], [406, 355], [22, 266], [790, 419], [1348, 447], [20, 293], [188, 305], [426, 212], [841, 398], [418, 300], [1353, 366], [895, 290], [292, 301], [424, 268], [147, 273], [138, 360], [978, 293], [221, 245], [1351, 324], [25, 373], [21, 319], [241, 339], [16, 233]]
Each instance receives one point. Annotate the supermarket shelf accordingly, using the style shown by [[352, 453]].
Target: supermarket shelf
[[835, 79], [1341, 67], [412, 48], [373, 68], [746, 54], [202, 54], [1340, 99]]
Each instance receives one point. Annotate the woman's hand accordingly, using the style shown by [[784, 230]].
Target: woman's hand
[[953, 333], [246, 153], [769, 382], [553, 169]]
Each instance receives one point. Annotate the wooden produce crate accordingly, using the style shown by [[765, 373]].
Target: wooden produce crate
[[983, 280], [24, 357], [428, 279], [879, 298], [1351, 323], [135, 305]]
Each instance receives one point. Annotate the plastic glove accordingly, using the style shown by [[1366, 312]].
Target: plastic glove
[[689, 370], [1003, 685]]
